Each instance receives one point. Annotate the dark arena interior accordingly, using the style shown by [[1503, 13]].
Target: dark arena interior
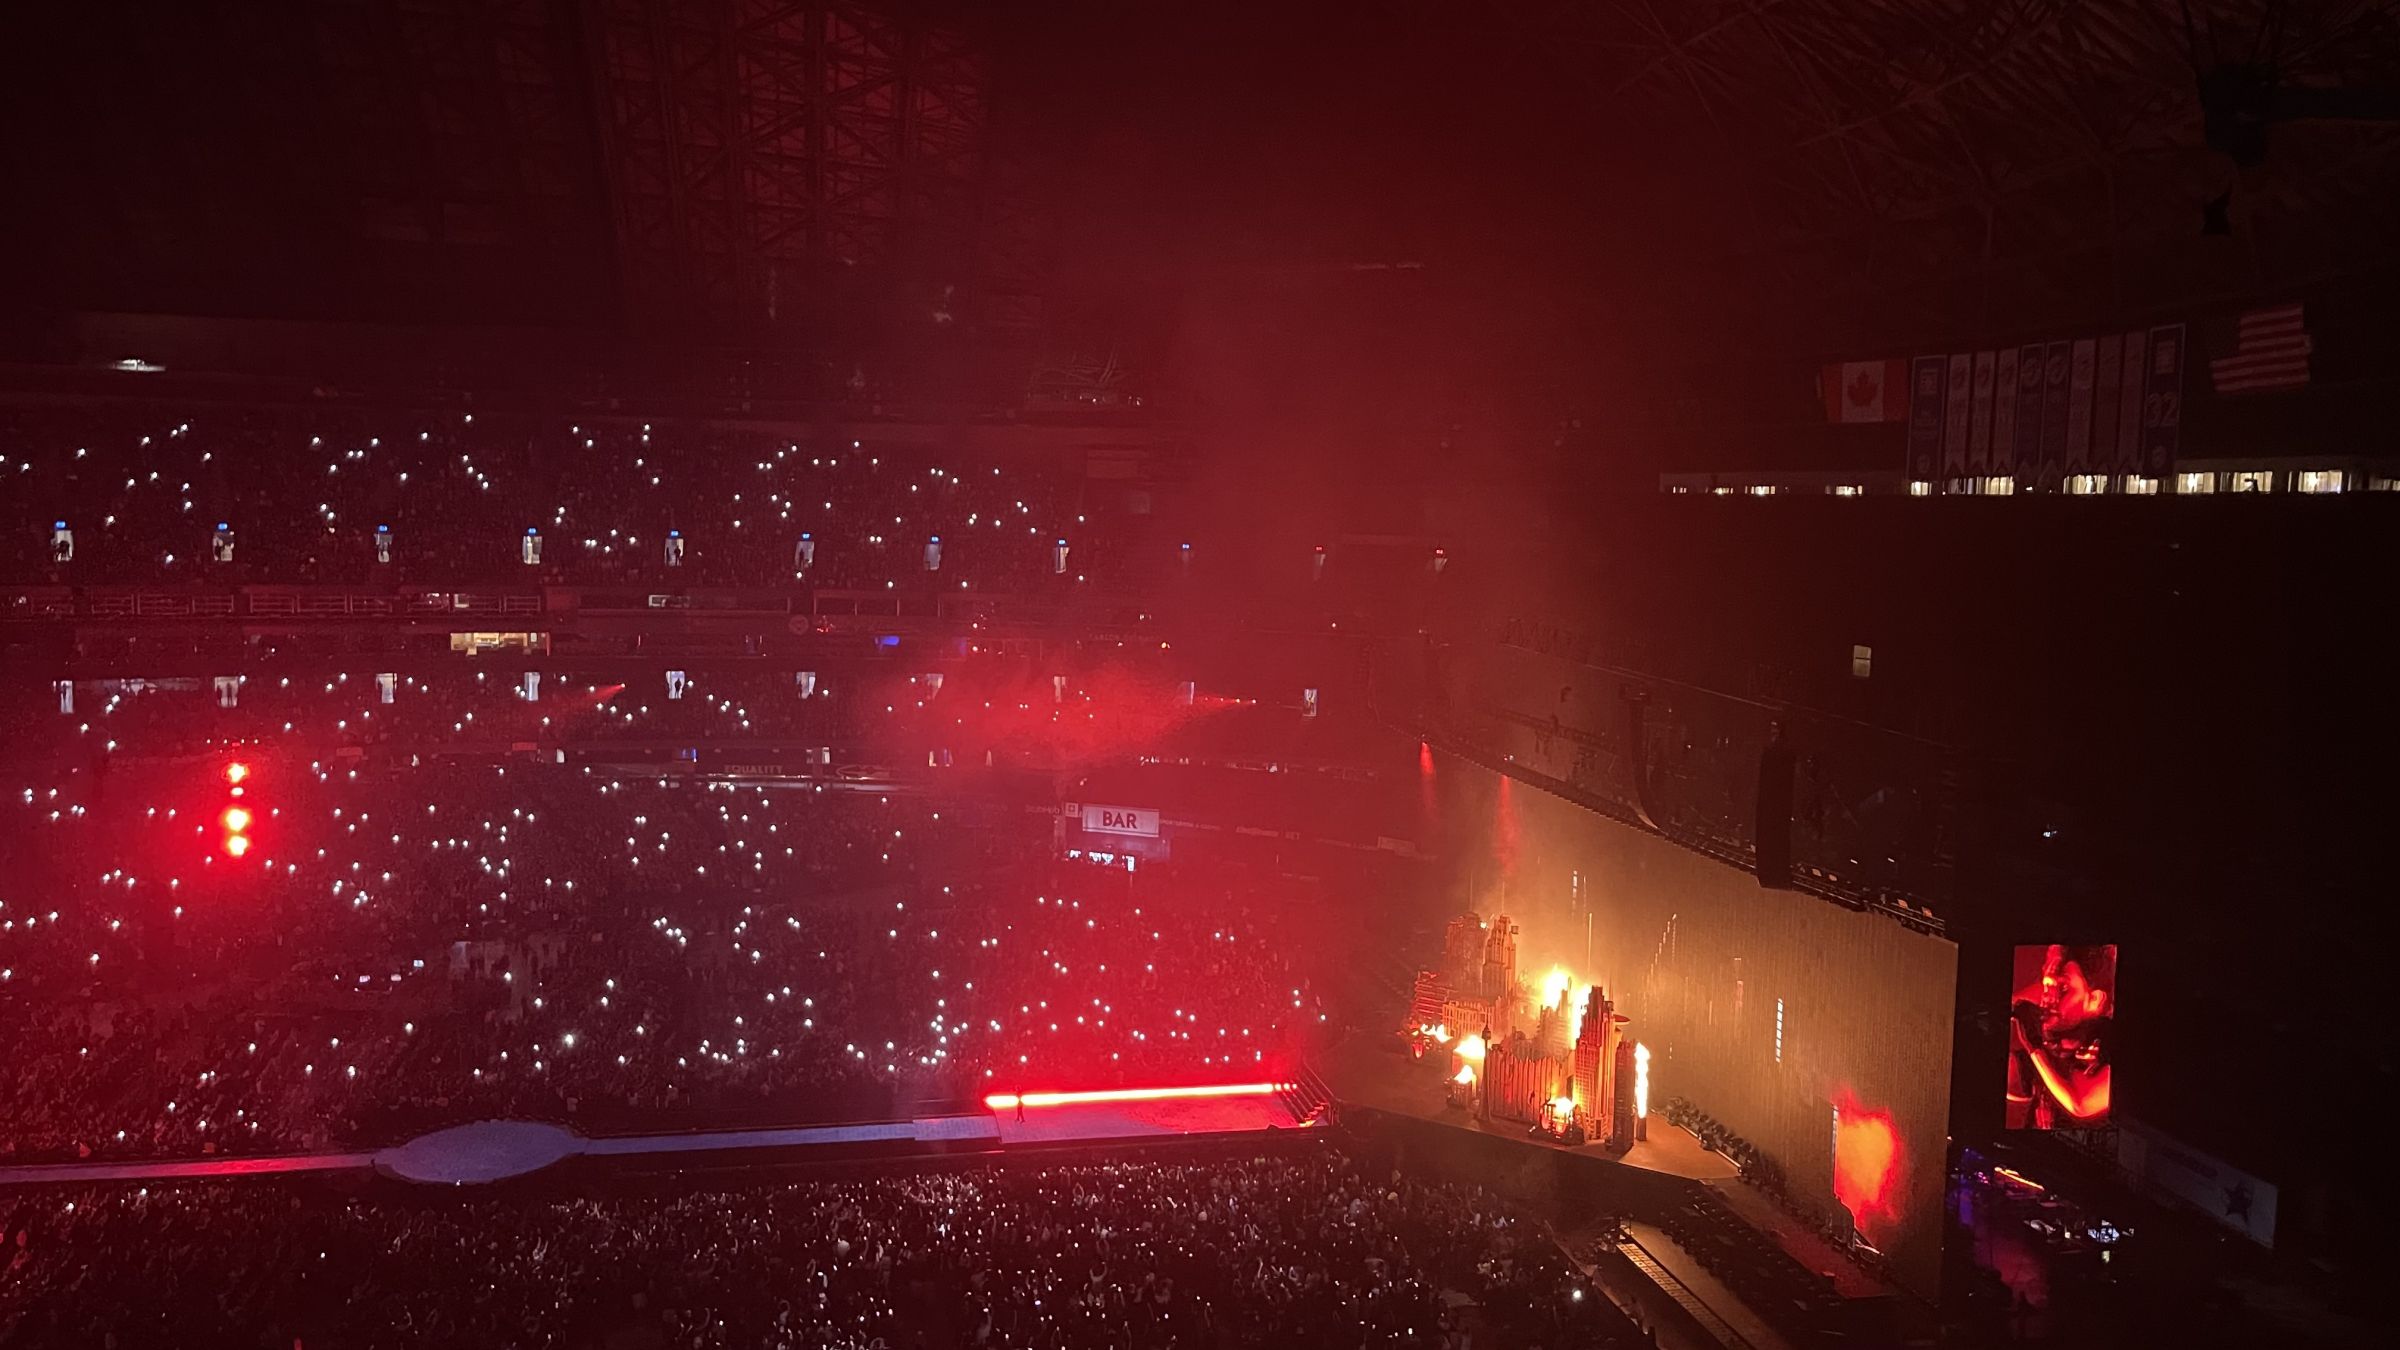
[[691, 674]]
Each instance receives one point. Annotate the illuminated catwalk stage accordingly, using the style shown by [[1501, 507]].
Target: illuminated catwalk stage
[[1095, 1117], [496, 1150]]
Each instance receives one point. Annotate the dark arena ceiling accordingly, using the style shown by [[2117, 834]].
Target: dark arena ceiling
[[1845, 171], [2002, 161]]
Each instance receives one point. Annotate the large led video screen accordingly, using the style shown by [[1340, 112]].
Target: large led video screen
[[2060, 1015]]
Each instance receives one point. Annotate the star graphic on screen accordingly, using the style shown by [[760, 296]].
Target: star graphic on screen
[[2237, 1202]]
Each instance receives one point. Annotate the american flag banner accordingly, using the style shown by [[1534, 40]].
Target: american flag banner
[[2271, 351]]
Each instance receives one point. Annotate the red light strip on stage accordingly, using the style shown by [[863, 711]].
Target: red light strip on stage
[[1009, 1101]]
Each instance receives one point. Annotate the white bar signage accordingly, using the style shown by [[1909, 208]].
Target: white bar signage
[[1120, 820]]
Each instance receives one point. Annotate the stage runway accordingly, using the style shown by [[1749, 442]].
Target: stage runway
[[1095, 1121], [496, 1150]]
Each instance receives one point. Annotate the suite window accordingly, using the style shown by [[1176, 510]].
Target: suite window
[[1760, 489], [2319, 480], [1862, 662], [2195, 482], [1997, 485], [2087, 484], [1920, 489], [2251, 480], [1846, 490], [2138, 486]]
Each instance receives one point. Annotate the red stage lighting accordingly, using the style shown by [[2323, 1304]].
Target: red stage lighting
[[1008, 1101], [1868, 1167], [237, 845], [235, 773], [237, 818]]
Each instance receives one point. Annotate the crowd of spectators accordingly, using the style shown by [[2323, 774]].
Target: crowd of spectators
[[302, 493], [413, 940], [1299, 1247]]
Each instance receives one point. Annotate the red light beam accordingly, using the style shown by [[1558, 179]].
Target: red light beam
[[1007, 1101]]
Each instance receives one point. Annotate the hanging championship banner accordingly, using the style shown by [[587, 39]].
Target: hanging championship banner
[[2082, 366], [2030, 364], [2162, 402], [1979, 425], [2004, 414], [2129, 404], [1926, 382], [2057, 366], [1957, 405], [2106, 382]]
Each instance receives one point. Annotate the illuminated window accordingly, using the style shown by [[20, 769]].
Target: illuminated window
[[1779, 1031], [1720, 492], [1760, 489], [2383, 484], [1846, 490], [2139, 486], [2319, 480], [1920, 489], [1997, 485], [2251, 480], [472, 643], [2195, 482], [1862, 662], [2086, 484]]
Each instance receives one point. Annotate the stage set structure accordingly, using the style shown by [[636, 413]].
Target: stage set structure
[[1556, 1059]]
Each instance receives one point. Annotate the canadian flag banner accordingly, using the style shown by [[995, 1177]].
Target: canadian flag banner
[[1866, 391]]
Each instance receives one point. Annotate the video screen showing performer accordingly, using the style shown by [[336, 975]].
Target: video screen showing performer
[[2060, 1037]]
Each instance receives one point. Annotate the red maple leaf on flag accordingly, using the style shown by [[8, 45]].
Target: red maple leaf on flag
[[1862, 390]]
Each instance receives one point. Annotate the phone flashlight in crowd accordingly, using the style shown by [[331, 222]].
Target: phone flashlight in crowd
[[66, 696], [931, 683], [530, 547], [806, 682], [933, 554], [674, 548], [804, 553], [1441, 559], [1058, 557], [1058, 689], [1316, 564], [387, 685], [533, 686], [62, 543], [229, 691], [383, 545], [675, 683], [1308, 703], [1186, 692], [1183, 557], [220, 544]]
